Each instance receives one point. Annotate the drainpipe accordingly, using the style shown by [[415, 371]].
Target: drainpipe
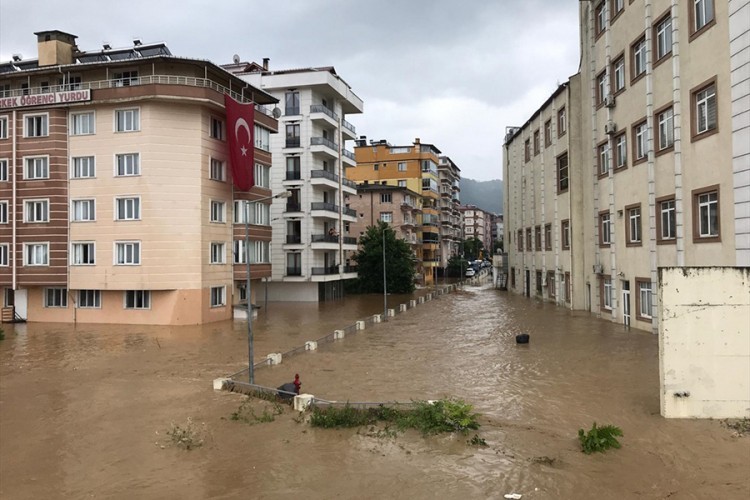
[[677, 107], [616, 285], [592, 89], [13, 206], [341, 198]]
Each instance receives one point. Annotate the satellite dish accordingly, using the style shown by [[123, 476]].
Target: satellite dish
[[276, 113], [236, 58]]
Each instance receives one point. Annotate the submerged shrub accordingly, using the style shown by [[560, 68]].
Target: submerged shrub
[[599, 439]]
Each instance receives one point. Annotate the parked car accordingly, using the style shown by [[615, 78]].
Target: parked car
[[470, 272]]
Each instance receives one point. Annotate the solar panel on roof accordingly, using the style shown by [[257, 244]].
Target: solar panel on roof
[[87, 58], [154, 51], [119, 56]]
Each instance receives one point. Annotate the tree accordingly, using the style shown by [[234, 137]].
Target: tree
[[457, 266], [473, 248], [399, 262], [497, 246]]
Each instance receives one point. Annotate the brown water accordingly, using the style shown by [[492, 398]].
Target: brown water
[[84, 410]]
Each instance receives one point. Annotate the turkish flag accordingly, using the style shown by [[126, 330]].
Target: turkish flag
[[241, 140]]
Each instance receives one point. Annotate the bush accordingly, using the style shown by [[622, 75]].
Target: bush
[[189, 436], [599, 439]]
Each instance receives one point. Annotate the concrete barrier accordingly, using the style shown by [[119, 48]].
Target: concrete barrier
[[412, 303], [402, 307], [219, 383], [360, 325], [338, 334], [377, 318], [311, 345], [303, 401], [274, 358], [391, 313], [420, 300]]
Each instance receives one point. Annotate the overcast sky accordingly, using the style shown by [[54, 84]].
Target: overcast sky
[[453, 73]]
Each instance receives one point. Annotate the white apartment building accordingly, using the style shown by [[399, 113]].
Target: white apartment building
[[450, 216], [312, 242]]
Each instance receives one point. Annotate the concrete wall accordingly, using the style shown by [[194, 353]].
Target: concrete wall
[[704, 342]]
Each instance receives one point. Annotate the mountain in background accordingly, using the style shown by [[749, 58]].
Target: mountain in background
[[487, 195]]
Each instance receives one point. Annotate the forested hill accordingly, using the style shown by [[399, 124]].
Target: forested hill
[[487, 195]]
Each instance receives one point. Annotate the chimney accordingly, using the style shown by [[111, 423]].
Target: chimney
[[266, 60], [416, 141], [55, 47]]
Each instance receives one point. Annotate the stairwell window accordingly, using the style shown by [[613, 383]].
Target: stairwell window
[[127, 120], [704, 110], [89, 299], [706, 220], [82, 123], [56, 297], [562, 173], [137, 299], [548, 133], [127, 164], [36, 254], [83, 253], [603, 158], [621, 151], [127, 253], [527, 150], [548, 236], [618, 75], [565, 230], [218, 296], [519, 240], [83, 210], [601, 87], [36, 125], [562, 123], [538, 238], [536, 142], [36, 211]]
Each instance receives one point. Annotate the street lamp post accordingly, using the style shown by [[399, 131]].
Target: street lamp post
[[250, 355], [385, 286]]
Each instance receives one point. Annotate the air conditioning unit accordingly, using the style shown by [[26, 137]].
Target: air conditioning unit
[[610, 128], [609, 101], [598, 269]]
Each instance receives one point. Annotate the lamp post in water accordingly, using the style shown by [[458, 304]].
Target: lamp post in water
[[385, 286], [250, 355]]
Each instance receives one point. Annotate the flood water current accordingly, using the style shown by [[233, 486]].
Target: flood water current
[[85, 410]]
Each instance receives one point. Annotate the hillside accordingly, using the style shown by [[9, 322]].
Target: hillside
[[487, 195]]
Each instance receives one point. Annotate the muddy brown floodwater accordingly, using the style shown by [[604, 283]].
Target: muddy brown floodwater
[[84, 410]]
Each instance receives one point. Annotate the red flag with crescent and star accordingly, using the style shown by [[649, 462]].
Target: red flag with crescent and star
[[241, 141]]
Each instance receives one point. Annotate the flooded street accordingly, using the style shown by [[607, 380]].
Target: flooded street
[[84, 410]]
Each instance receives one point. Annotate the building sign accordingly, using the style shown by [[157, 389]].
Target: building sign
[[48, 99]]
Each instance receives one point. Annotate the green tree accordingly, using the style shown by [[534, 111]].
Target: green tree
[[399, 262], [472, 248], [457, 266], [497, 246]]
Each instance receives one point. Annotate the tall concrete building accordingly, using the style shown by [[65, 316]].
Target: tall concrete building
[[116, 200], [477, 224], [450, 215], [654, 169], [312, 238]]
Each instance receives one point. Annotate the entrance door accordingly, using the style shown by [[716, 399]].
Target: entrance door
[[626, 302], [22, 299]]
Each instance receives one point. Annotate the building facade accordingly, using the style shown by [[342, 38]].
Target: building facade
[[116, 202], [311, 228], [660, 154], [450, 214]]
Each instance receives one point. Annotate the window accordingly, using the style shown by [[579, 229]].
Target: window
[[567, 287], [702, 15], [82, 123], [706, 214], [548, 236], [605, 229], [633, 227], [565, 230], [638, 61], [666, 221], [36, 211], [260, 252], [55, 297], [536, 142], [3, 126], [663, 38], [137, 299], [293, 172], [643, 299], [89, 299], [519, 240], [238, 251], [35, 125], [217, 170], [262, 175], [621, 151], [127, 253], [36, 168], [127, 164], [527, 150], [640, 142], [538, 238], [262, 138], [36, 254], [84, 167], [600, 15], [83, 210], [126, 78], [292, 135], [3, 170], [401, 183], [551, 284], [386, 217], [704, 110], [3, 212], [665, 130], [386, 198], [217, 211], [291, 103], [127, 120], [218, 253], [513, 277], [562, 173], [260, 213], [547, 133], [617, 7], [83, 254], [603, 158], [218, 296], [529, 246], [607, 293], [402, 166], [4, 257], [618, 75], [561, 122], [127, 208], [216, 130], [601, 87]]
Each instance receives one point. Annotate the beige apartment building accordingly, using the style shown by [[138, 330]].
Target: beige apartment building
[[656, 167], [477, 223], [450, 214], [116, 199]]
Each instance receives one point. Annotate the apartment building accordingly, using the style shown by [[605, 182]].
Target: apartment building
[[116, 204], [311, 228], [477, 223], [662, 175], [450, 215], [414, 167]]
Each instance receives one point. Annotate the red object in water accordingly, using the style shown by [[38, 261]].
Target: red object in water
[[297, 383]]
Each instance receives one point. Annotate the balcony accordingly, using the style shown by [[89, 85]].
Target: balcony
[[318, 112], [324, 147], [324, 238], [348, 130], [293, 239], [348, 158], [350, 184], [325, 271], [323, 209], [350, 269], [292, 142], [350, 212], [294, 271]]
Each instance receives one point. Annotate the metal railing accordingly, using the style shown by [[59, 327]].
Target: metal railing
[[293, 207], [294, 271], [292, 142], [319, 108], [347, 182], [348, 126], [322, 141], [350, 269], [320, 205], [350, 211], [293, 239], [324, 238], [291, 110], [325, 174], [324, 271], [348, 154], [350, 240], [293, 175]]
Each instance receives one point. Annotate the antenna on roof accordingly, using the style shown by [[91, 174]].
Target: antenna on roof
[[106, 46], [16, 57], [236, 58], [137, 41]]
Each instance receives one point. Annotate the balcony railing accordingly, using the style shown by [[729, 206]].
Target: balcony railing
[[291, 110], [328, 207], [319, 108], [350, 269], [322, 271], [294, 271], [325, 174], [293, 207], [293, 175], [293, 239], [432, 240], [347, 182], [350, 211], [322, 141], [292, 142], [348, 126], [348, 154], [324, 238]]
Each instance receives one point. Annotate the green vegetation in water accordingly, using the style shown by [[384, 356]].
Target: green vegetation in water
[[246, 413], [445, 415], [477, 441], [2, 334], [741, 426], [188, 436], [599, 439]]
